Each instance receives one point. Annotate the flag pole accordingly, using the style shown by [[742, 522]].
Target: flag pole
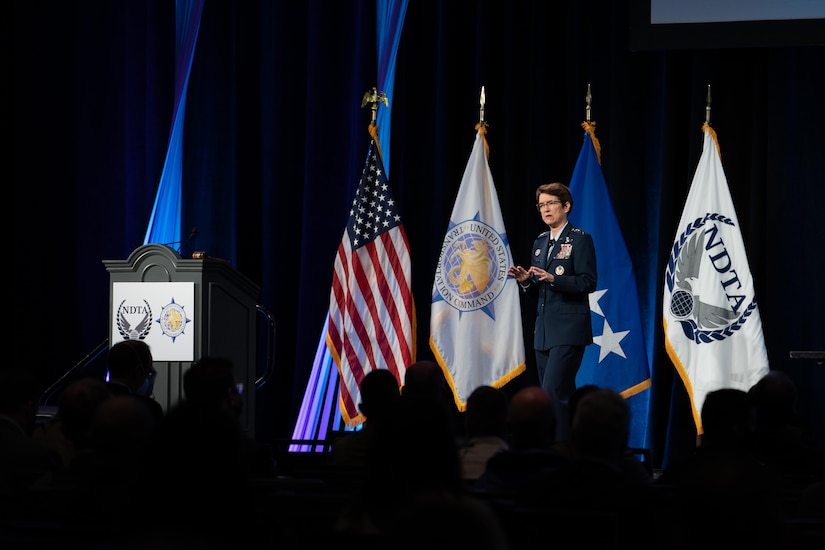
[[482, 100], [372, 98], [590, 125], [481, 127], [707, 107]]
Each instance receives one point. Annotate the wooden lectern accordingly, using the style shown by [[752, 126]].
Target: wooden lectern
[[185, 309]]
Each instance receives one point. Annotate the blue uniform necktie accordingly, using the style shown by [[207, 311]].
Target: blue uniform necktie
[[550, 250]]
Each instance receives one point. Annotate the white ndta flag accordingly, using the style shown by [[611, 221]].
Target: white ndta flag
[[713, 330], [475, 316]]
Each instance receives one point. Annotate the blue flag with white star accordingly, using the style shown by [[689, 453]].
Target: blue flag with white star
[[617, 358]]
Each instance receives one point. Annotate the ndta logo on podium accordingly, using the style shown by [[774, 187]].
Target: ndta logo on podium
[[161, 314]]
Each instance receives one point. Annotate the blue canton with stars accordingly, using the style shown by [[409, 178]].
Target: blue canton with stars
[[374, 209]]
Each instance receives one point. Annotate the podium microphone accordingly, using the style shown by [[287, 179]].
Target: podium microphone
[[192, 235]]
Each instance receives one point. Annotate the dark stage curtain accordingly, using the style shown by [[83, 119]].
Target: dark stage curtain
[[275, 137]]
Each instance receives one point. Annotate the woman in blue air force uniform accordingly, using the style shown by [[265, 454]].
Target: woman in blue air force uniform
[[562, 274]]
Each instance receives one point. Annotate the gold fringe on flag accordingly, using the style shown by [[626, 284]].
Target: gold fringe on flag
[[373, 130], [482, 128], [590, 128], [706, 128]]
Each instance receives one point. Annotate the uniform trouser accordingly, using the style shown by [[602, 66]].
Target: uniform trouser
[[557, 369]]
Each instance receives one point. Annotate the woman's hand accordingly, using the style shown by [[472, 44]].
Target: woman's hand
[[541, 274], [518, 273]]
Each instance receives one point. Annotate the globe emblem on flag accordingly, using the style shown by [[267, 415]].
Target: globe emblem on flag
[[681, 304], [472, 267]]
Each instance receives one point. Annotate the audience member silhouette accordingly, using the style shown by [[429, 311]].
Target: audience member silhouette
[[210, 382], [600, 428], [122, 428], [810, 502], [68, 430], [722, 486], [194, 482], [97, 485], [131, 371], [779, 439], [425, 380], [485, 429], [413, 496], [69, 496], [595, 490], [532, 426], [380, 397], [23, 459], [631, 464], [565, 446], [70, 426], [49, 431], [76, 409]]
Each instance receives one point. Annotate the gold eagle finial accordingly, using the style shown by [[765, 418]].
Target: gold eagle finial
[[372, 96]]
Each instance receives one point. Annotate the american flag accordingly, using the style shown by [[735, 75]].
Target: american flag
[[371, 311]]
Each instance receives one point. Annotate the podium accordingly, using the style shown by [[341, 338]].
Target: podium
[[186, 309]]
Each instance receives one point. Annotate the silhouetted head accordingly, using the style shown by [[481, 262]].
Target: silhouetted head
[[576, 397], [122, 423], [726, 418], [424, 379], [601, 425], [130, 363], [76, 409], [211, 381], [380, 394], [532, 419], [486, 413], [415, 449], [774, 399]]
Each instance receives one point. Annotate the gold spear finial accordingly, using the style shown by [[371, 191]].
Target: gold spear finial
[[707, 107], [373, 98], [482, 100], [588, 101]]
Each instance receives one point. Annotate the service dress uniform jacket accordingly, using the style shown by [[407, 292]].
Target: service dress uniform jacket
[[563, 311]]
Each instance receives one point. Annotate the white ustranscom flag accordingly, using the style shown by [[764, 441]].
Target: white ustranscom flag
[[713, 330], [475, 316]]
